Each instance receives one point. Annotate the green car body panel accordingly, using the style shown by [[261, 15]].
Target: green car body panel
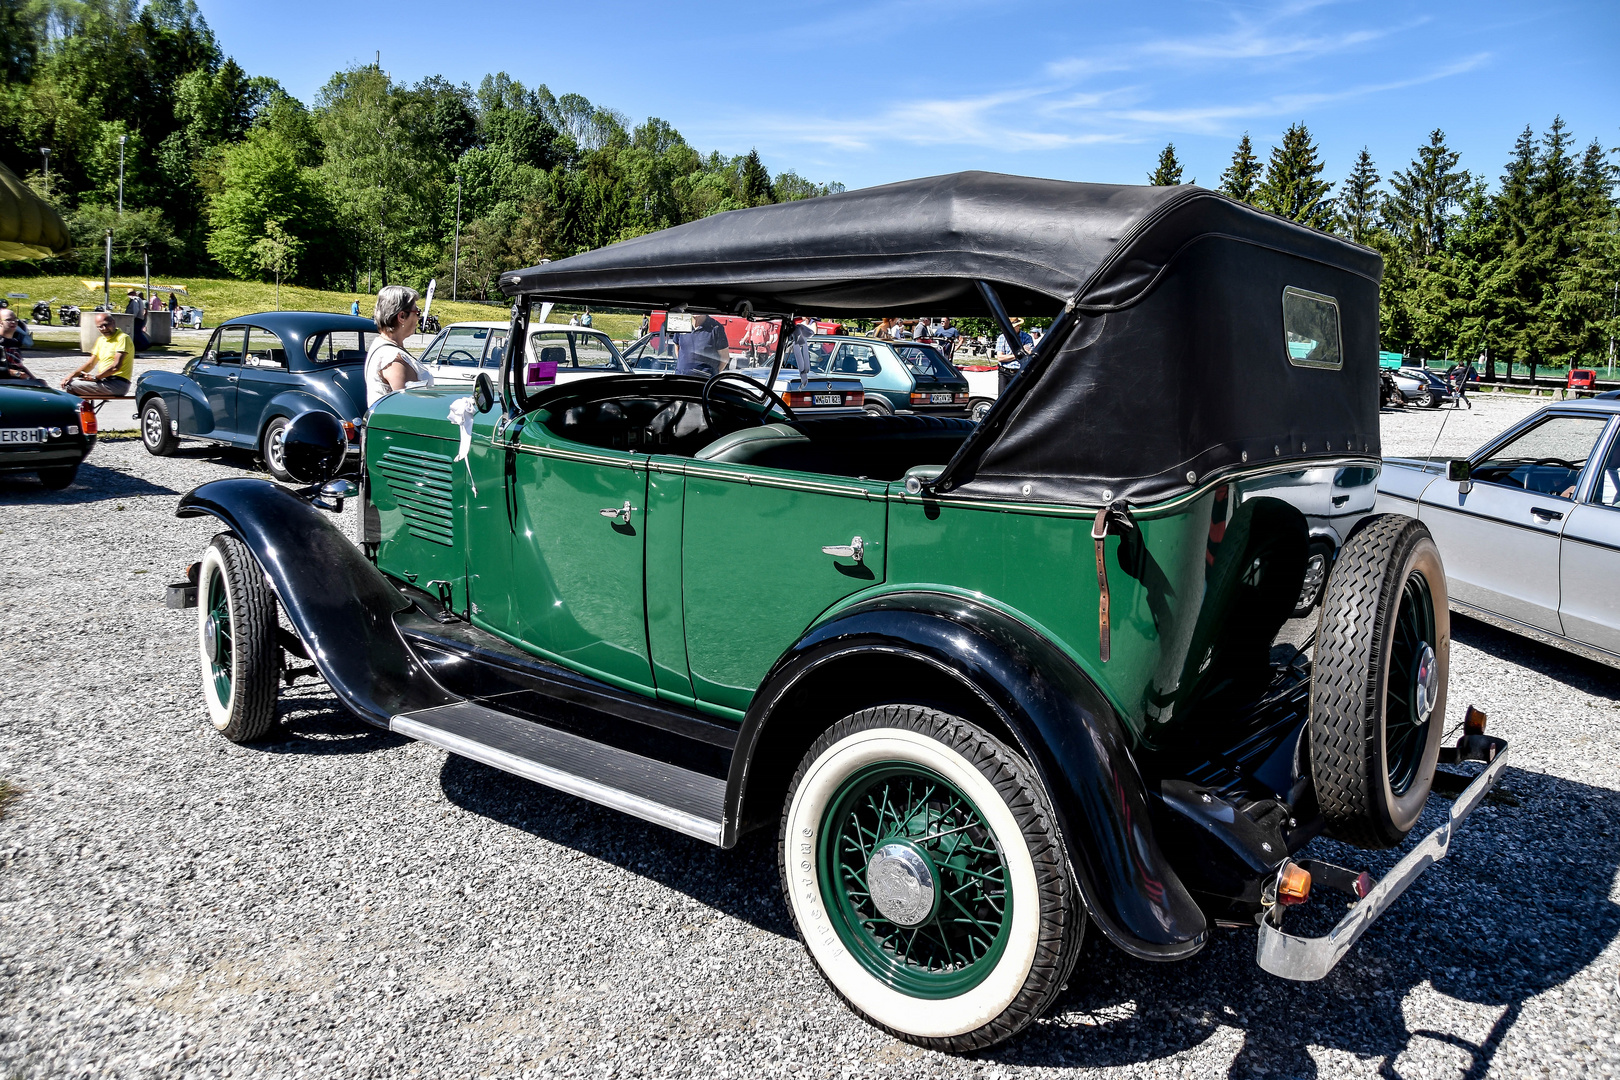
[[520, 532]]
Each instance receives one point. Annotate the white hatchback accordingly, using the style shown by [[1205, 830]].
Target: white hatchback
[[464, 349]]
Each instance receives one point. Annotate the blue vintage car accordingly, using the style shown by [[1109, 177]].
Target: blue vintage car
[[258, 373]]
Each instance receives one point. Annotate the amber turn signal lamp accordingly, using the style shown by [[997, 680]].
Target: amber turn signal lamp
[[1474, 722], [87, 418], [351, 432], [1293, 885]]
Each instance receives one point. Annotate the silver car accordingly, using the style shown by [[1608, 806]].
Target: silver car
[[1529, 525]]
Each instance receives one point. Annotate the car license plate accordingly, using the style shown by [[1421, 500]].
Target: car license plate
[[21, 435], [941, 399], [829, 399]]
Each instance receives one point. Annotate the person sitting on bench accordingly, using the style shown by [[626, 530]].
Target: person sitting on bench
[[111, 364]]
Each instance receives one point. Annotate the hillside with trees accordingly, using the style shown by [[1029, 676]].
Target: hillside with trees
[[225, 171]]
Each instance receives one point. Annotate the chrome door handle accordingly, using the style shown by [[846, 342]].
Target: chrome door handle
[[1545, 515], [855, 549], [622, 514], [230, 378]]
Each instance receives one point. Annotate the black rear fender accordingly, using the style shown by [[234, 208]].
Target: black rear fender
[[949, 653], [339, 603]]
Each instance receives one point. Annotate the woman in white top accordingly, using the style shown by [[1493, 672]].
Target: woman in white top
[[388, 366]]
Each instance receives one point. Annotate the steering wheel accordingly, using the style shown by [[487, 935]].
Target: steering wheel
[[450, 358], [1570, 465], [766, 394]]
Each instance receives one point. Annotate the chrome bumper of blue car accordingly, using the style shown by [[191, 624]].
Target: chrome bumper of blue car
[[1308, 959]]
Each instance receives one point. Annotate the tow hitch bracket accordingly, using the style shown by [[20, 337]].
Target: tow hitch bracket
[[1308, 959]]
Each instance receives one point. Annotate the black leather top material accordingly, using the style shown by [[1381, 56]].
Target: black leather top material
[[919, 245]]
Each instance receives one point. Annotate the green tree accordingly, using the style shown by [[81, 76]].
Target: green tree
[[1242, 178], [136, 232], [1360, 202], [1168, 171], [1425, 195], [755, 181], [1292, 186], [277, 252], [260, 182]]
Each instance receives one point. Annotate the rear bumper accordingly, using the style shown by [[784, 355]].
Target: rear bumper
[[1308, 959], [48, 456]]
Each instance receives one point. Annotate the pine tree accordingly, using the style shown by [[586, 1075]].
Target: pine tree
[[756, 181], [1168, 174], [1360, 201], [1291, 186], [1505, 298], [1425, 194], [1242, 177]]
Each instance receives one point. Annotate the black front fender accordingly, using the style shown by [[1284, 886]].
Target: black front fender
[[340, 604], [1062, 722]]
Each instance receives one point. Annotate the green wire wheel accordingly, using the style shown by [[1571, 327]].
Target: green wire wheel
[[236, 641], [924, 871]]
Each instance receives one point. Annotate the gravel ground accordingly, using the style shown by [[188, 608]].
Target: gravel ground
[[346, 902]]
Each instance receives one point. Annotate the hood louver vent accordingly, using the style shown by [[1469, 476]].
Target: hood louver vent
[[421, 483]]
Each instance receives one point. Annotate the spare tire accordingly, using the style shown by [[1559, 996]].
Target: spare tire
[[1378, 691]]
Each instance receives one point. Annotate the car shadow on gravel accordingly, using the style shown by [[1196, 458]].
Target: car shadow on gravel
[[94, 483], [314, 723], [741, 882], [1483, 928], [1587, 676]]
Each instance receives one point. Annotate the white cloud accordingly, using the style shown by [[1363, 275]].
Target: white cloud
[[1066, 107]]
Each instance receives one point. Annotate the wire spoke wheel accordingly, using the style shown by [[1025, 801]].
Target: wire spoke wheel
[[915, 881], [923, 868], [1409, 706], [217, 636]]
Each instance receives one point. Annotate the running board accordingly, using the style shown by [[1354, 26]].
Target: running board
[[643, 787]]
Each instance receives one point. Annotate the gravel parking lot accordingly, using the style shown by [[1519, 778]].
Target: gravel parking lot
[[346, 902]]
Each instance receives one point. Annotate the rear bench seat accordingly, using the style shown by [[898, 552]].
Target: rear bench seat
[[875, 447]]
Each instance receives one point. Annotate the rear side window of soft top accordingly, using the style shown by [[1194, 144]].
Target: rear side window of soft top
[[1311, 329], [338, 346]]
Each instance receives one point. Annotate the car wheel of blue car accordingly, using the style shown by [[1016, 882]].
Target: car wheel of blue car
[[925, 873], [272, 450], [236, 641], [157, 435]]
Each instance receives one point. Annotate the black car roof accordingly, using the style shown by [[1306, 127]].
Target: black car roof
[[919, 246], [301, 324]]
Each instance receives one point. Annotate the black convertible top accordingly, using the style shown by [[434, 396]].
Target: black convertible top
[[918, 246], [1171, 364]]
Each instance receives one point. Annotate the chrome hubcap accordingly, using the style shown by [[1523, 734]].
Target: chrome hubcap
[[1426, 683], [901, 883], [274, 450], [211, 639], [154, 427]]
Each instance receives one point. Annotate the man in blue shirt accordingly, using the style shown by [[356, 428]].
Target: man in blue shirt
[[705, 351]]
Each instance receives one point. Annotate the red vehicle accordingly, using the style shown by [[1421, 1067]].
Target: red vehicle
[[757, 338], [1582, 379]]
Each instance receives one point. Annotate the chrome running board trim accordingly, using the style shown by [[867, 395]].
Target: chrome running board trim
[[655, 791]]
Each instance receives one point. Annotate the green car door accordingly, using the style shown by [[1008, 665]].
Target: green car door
[[754, 573], [578, 545]]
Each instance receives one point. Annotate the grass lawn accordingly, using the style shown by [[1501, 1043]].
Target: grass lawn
[[222, 298]]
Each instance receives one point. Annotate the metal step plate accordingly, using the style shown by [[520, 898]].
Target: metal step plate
[[664, 794]]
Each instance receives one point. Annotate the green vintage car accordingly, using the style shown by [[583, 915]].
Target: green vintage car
[[997, 682]]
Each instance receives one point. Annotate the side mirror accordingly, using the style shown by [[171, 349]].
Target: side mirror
[[313, 447], [1460, 472], [483, 393]]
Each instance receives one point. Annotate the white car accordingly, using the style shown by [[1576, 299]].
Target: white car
[[464, 349]]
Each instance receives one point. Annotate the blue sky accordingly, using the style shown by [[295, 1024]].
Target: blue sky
[[869, 93]]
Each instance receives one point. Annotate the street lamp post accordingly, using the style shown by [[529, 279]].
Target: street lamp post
[[455, 259], [122, 139], [46, 151]]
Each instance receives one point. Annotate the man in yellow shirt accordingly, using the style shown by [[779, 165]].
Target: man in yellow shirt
[[111, 364]]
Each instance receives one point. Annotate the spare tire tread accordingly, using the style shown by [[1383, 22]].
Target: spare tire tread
[[1359, 606]]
